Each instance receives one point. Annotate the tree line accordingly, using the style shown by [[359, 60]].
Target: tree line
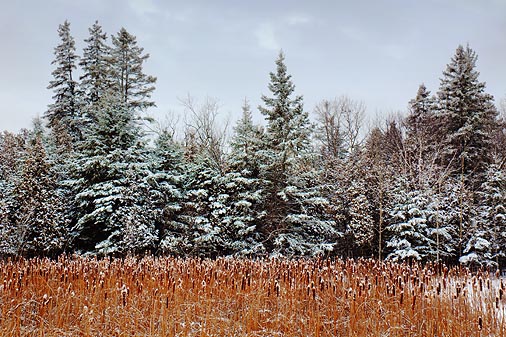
[[87, 178]]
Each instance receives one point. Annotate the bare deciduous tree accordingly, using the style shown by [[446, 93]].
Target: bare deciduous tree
[[340, 125], [204, 132]]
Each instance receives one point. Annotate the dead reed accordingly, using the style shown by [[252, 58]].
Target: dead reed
[[239, 297]]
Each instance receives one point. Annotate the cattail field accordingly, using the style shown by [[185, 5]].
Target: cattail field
[[240, 297]]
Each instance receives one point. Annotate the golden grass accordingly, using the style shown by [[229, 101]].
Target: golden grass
[[230, 297]]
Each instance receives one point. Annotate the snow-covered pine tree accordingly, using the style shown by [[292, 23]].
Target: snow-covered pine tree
[[245, 145], [39, 220], [132, 84], [466, 117], [202, 204], [451, 218], [419, 121], [111, 194], [221, 212], [167, 192], [238, 210], [487, 236], [66, 107], [241, 189], [297, 222], [409, 222], [96, 66]]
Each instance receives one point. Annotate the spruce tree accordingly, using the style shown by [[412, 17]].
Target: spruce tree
[[167, 192], [111, 192], [202, 206], [65, 108], [487, 234], [466, 117], [132, 84], [297, 222], [409, 224], [245, 145]]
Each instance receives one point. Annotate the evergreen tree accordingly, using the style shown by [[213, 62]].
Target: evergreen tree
[[221, 212], [111, 194], [96, 66], [201, 206], [65, 109], [167, 192], [40, 224], [466, 116], [419, 120], [133, 86], [297, 222], [450, 220], [409, 224], [245, 145], [487, 237]]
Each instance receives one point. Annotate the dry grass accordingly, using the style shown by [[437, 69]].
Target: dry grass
[[228, 297]]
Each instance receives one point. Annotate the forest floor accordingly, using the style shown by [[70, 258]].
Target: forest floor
[[240, 297]]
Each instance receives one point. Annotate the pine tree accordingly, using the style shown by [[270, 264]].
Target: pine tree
[[65, 109], [297, 222], [450, 221], [245, 145], [221, 212], [287, 133], [487, 237], [167, 193], [111, 194], [96, 66], [409, 224], [239, 210], [40, 224], [466, 116], [8, 237], [201, 206], [134, 87], [419, 120]]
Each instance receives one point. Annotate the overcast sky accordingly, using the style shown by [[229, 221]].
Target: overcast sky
[[376, 51]]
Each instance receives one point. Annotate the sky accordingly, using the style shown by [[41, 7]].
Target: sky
[[374, 51]]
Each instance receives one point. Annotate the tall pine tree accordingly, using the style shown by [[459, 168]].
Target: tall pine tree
[[297, 222], [466, 116], [132, 84], [96, 66], [65, 108]]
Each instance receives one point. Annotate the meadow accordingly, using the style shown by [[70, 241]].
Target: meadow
[[150, 296]]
